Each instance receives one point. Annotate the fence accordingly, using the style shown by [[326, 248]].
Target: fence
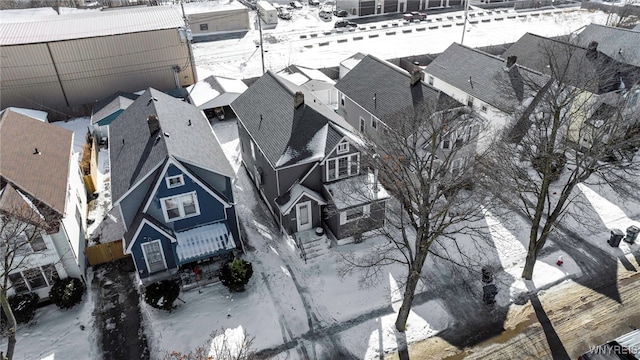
[[103, 253]]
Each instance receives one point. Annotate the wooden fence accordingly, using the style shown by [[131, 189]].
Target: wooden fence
[[103, 253]]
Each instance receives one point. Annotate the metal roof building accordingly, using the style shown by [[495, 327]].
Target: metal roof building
[[69, 61]]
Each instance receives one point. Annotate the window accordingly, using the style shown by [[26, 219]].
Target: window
[[342, 100], [456, 165], [470, 101], [354, 214], [175, 181], [363, 124], [36, 241], [35, 279], [446, 141], [430, 80], [374, 123], [343, 166], [204, 27], [18, 283], [343, 148], [50, 273], [180, 207], [253, 151], [153, 256], [483, 108]]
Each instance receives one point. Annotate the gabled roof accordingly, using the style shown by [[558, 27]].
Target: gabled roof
[[285, 134], [587, 69], [90, 24], [300, 75], [43, 175], [484, 76], [212, 87], [184, 134], [116, 102], [620, 44], [287, 201], [384, 89]]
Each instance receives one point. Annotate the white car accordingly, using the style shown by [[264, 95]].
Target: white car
[[296, 4]]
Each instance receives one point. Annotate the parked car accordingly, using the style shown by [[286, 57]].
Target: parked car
[[341, 13], [283, 13], [418, 16], [296, 4], [407, 17], [345, 23], [314, 2], [325, 15]]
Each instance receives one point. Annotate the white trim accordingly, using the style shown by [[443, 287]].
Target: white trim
[[362, 125], [153, 170], [178, 198], [366, 212], [308, 173], [137, 233], [337, 162], [144, 252], [253, 149], [184, 171], [169, 178], [345, 148], [124, 223], [309, 215]]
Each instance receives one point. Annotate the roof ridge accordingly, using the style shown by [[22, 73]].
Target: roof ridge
[[614, 28], [496, 57], [390, 65], [280, 82]]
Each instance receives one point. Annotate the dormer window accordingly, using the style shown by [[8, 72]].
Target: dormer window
[[343, 166], [175, 181], [343, 148], [180, 207]]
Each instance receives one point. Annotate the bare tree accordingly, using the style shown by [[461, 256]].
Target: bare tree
[[582, 126], [21, 223], [222, 345], [426, 159]]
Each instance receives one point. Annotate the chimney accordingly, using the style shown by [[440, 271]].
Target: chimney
[[154, 124], [298, 99], [511, 60], [416, 75], [593, 46]]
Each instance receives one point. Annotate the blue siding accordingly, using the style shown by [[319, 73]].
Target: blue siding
[[147, 234], [211, 209]]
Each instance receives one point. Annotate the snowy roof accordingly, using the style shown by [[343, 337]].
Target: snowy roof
[[285, 134], [88, 24], [483, 76], [289, 199], [621, 44], [184, 134], [119, 103], [35, 114], [36, 157], [355, 191], [352, 61], [203, 241], [211, 6], [212, 87]]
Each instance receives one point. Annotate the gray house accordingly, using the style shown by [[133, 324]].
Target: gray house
[[306, 163]]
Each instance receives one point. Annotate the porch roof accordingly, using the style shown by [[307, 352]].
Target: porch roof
[[289, 199], [203, 241], [355, 191]]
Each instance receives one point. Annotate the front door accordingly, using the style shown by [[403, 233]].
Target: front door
[[303, 215]]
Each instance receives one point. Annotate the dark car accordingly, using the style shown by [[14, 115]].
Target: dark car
[[418, 16], [341, 13], [345, 23], [314, 2]]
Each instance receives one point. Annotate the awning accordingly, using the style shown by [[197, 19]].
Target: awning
[[203, 241]]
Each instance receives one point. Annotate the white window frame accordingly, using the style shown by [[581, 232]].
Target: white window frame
[[342, 148], [448, 139], [336, 161], [363, 124], [430, 80], [178, 199], [456, 165], [144, 252], [26, 280], [169, 178], [253, 150], [342, 99], [366, 212]]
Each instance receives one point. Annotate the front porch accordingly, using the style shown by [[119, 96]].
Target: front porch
[[312, 243]]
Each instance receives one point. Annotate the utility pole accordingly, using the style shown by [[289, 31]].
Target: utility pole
[[466, 12], [261, 47]]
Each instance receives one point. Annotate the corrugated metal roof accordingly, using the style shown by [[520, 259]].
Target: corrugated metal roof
[[93, 24]]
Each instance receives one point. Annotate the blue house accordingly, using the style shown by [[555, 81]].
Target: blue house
[[172, 185]]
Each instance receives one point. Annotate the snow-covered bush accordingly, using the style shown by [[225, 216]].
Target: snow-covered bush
[[236, 274], [161, 295], [23, 306], [65, 293]]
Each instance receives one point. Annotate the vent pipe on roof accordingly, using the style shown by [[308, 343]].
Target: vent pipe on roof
[[154, 124], [298, 99], [36, 152]]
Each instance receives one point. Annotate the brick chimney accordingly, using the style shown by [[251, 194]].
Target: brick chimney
[[154, 124], [593, 46], [298, 99], [416, 75], [511, 61]]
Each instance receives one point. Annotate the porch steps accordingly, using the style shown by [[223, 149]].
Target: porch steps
[[312, 246]]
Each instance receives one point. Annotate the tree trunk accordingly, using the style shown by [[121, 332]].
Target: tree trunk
[[530, 262], [11, 320], [409, 293]]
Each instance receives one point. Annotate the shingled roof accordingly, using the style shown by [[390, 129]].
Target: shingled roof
[[620, 44], [485, 76], [384, 89], [586, 68], [35, 158], [184, 134], [284, 133]]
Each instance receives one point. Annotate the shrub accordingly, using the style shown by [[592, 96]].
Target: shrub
[[236, 274], [23, 306], [161, 295], [65, 293]]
